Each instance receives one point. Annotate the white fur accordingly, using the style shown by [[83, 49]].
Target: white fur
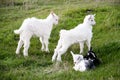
[[80, 34], [39, 27], [80, 63], [80, 66]]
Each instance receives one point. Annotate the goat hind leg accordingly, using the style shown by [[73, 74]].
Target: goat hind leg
[[54, 55], [59, 45], [46, 44], [26, 47], [20, 43], [56, 50], [61, 52], [81, 46]]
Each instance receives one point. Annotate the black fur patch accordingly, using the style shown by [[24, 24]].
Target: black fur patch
[[93, 57]]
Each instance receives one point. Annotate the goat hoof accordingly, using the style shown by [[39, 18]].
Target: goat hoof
[[17, 52], [58, 60], [47, 51], [42, 49], [25, 55]]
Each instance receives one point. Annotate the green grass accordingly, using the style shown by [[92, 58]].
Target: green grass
[[38, 66]]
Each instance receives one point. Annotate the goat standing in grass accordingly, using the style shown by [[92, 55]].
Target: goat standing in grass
[[39, 27], [80, 34]]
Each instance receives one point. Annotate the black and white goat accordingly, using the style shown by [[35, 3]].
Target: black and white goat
[[83, 63]]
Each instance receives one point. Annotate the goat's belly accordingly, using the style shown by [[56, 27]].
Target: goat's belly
[[37, 34]]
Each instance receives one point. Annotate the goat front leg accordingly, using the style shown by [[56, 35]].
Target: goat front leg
[[42, 42], [88, 44], [81, 47], [46, 44]]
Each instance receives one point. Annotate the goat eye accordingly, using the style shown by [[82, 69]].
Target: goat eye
[[91, 20], [56, 20]]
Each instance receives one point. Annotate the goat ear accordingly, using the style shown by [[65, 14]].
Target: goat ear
[[90, 48], [93, 54], [52, 13], [90, 17], [72, 53]]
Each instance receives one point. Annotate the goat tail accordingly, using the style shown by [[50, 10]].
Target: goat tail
[[17, 31]]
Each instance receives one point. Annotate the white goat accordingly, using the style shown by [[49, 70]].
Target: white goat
[[39, 27], [80, 34], [81, 64]]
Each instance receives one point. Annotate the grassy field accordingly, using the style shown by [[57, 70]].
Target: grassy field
[[38, 66]]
